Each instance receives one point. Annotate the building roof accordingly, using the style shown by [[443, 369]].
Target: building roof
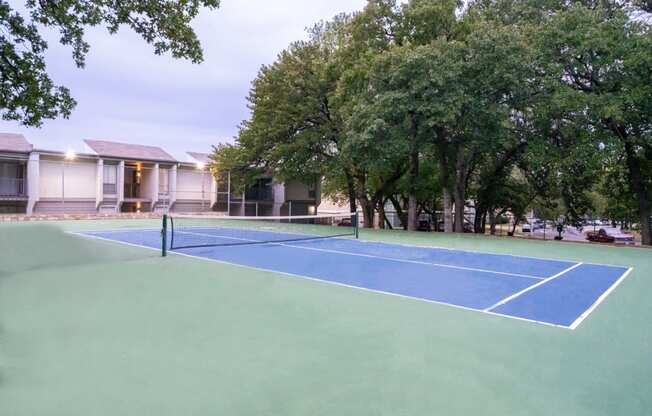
[[200, 157], [10, 142], [129, 151]]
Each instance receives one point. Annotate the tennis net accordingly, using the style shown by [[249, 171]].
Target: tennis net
[[197, 230]]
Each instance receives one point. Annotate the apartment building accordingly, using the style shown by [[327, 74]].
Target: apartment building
[[113, 177], [14, 157]]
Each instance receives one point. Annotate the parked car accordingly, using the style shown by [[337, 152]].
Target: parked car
[[526, 228], [424, 225], [600, 236], [537, 225], [603, 236], [468, 228], [345, 222]]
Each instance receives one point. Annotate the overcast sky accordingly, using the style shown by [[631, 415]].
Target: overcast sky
[[126, 93]]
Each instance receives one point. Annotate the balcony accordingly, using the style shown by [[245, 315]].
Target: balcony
[[13, 187], [109, 189], [132, 191], [163, 192], [260, 194]]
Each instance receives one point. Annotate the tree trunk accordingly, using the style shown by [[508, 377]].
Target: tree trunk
[[412, 213], [480, 212], [448, 208], [387, 223], [461, 172], [459, 207], [399, 211], [381, 215], [434, 219], [367, 212], [492, 222], [412, 199], [514, 225], [639, 188], [350, 185]]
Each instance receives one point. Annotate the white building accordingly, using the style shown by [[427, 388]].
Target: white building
[[113, 177]]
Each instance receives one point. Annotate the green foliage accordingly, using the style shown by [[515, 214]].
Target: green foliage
[[644, 5], [599, 60], [516, 105], [28, 95], [294, 131], [228, 159]]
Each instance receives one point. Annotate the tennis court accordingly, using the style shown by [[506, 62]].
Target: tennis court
[[547, 291], [105, 325]]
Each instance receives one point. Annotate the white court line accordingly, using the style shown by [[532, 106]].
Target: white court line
[[346, 253], [602, 297], [330, 282], [463, 250], [118, 230], [488, 311], [434, 247], [385, 243], [527, 289]]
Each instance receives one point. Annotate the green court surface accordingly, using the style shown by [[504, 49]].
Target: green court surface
[[90, 327]]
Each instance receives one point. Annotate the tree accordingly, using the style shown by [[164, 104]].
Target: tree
[[28, 95], [485, 86], [391, 89], [593, 62], [422, 104], [603, 58], [296, 130], [644, 5]]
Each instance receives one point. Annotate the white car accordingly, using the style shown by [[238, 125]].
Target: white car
[[526, 228]]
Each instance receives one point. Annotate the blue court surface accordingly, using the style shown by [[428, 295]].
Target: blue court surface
[[552, 292]]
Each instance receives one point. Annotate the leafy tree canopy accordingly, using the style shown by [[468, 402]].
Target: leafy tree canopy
[[28, 94]]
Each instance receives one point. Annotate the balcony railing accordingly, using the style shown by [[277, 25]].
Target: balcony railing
[[260, 194], [12, 187], [110, 188], [132, 190]]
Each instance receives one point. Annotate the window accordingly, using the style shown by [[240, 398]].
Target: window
[[163, 181], [12, 182], [262, 190], [110, 179]]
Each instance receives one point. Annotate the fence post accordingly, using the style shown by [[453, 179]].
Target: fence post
[[357, 226], [164, 236]]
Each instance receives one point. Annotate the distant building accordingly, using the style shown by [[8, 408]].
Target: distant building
[[14, 156], [122, 177]]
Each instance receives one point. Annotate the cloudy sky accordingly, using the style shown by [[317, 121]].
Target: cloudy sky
[[126, 93]]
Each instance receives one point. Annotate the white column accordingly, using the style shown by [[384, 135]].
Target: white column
[[99, 193], [153, 186], [33, 179], [317, 195], [172, 185], [120, 183], [228, 193], [279, 198], [213, 187]]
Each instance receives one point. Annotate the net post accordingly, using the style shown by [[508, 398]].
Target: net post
[[164, 236], [356, 225]]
